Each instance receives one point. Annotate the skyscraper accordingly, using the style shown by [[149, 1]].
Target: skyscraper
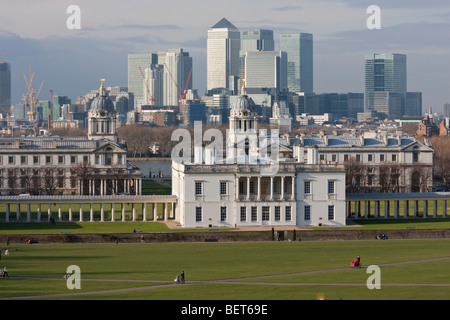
[[299, 49], [265, 69], [177, 68], [385, 84], [135, 80], [5, 87], [223, 47], [257, 40]]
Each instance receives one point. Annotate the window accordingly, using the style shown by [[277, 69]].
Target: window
[[331, 186], [60, 159], [198, 188], [370, 157], [85, 159], [97, 159], [108, 159], [416, 154], [394, 158], [23, 160], [322, 157], [345, 157], [288, 215], [223, 188], [277, 213], [48, 159], [381, 157], [307, 187], [11, 160], [333, 158], [243, 213], [254, 213], [358, 158], [35, 159], [223, 214], [330, 212], [120, 159], [265, 213], [198, 214], [73, 159], [307, 212]]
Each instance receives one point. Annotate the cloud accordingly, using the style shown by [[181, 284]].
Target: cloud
[[289, 8]]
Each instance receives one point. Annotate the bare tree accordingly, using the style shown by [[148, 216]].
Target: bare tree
[[84, 172], [355, 176], [50, 180], [389, 177]]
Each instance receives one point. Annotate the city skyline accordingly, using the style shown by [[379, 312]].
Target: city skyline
[[72, 61]]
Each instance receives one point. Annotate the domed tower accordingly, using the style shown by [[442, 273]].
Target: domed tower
[[243, 132], [102, 118]]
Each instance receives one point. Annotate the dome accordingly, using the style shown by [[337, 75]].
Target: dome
[[244, 104], [102, 102]]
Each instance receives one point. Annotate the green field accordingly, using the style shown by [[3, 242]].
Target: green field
[[231, 271]]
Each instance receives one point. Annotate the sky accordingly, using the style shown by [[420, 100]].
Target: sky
[[71, 62]]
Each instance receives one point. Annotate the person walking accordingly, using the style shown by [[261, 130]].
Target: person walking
[[5, 272], [182, 277]]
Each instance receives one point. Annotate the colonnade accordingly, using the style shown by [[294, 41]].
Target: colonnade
[[266, 188], [395, 206], [73, 208]]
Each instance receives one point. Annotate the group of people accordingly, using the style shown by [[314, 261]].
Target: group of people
[[180, 278], [4, 271]]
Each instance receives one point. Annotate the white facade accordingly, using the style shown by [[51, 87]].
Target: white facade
[[251, 186], [233, 195]]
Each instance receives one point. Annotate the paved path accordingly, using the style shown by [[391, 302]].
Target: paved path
[[237, 281]]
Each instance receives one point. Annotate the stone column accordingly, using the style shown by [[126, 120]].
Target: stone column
[[70, 212], [81, 212], [112, 213], [133, 209], [59, 212], [154, 211], [259, 189], [49, 211], [248, 188], [102, 212], [39, 212], [282, 189], [144, 212], [91, 212], [123, 211], [271, 188], [293, 188], [18, 211]]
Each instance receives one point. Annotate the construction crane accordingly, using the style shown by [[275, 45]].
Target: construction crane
[[149, 96], [31, 98], [181, 92], [4, 53]]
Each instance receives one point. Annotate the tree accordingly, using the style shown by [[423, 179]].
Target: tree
[[84, 172], [355, 176]]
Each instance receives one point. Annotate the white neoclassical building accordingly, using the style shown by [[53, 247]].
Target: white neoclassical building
[[252, 186]]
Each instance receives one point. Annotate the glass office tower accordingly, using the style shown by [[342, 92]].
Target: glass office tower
[[299, 49], [223, 45], [135, 80], [5, 86], [385, 78]]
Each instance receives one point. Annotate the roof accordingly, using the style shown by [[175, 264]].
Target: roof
[[349, 141], [224, 24]]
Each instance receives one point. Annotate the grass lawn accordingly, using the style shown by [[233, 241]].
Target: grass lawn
[[282, 266]]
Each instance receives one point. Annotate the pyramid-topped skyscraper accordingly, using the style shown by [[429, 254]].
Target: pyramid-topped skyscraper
[[223, 45]]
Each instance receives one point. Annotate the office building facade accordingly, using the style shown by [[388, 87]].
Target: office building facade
[[223, 45], [135, 80], [299, 49], [5, 86]]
